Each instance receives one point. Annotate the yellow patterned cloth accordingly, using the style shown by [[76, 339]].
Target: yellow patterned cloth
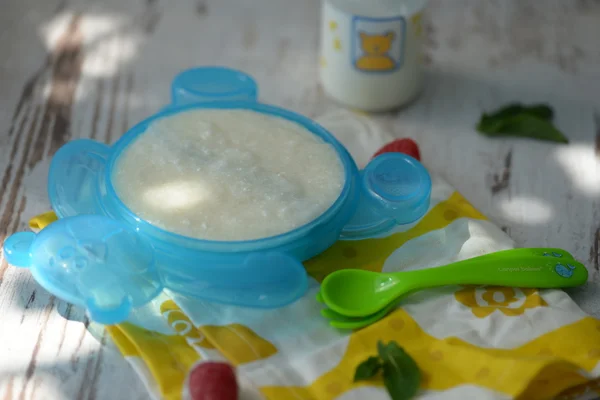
[[470, 342]]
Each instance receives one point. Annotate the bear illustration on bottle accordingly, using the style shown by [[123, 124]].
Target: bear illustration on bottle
[[375, 52]]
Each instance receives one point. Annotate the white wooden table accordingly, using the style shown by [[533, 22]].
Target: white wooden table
[[73, 69]]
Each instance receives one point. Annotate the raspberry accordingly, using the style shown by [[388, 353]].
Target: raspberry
[[405, 145], [212, 381]]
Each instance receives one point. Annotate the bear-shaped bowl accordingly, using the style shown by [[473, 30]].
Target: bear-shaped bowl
[[268, 272]]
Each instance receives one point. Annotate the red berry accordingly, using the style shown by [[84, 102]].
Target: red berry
[[212, 380], [405, 145]]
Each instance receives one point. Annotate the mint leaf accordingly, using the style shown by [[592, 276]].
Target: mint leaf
[[401, 375], [525, 125], [494, 123], [367, 369], [533, 121], [542, 111], [539, 110]]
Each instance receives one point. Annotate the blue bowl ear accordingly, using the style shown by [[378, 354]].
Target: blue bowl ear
[[17, 249]]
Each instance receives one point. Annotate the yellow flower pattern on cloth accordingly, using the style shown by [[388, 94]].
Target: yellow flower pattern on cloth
[[508, 301]]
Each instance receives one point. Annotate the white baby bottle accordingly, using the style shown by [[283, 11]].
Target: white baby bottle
[[371, 52]]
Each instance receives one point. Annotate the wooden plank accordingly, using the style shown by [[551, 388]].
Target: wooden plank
[[49, 353], [80, 69]]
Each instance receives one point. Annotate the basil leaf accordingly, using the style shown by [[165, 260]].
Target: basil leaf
[[401, 375], [367, 369], [539, 110], [525, 121], [526, 125]]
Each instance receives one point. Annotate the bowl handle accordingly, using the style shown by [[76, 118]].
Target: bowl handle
[[395, 190], [74, 178], [205, 84]]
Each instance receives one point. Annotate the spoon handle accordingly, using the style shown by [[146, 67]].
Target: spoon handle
[[500, 269], [526, 252]]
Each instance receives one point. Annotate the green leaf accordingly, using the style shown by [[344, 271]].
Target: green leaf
[[539, 110], [401, 375], [533, 121], [525, 125], [367, 369], [542, 111]]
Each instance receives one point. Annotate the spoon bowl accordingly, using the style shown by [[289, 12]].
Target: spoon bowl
[[359, 290], [340, 321]]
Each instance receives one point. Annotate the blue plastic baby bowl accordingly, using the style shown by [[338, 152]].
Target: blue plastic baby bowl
[[103, 257]]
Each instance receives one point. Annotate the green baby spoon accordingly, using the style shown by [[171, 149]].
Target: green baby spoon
[[360, 293]]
